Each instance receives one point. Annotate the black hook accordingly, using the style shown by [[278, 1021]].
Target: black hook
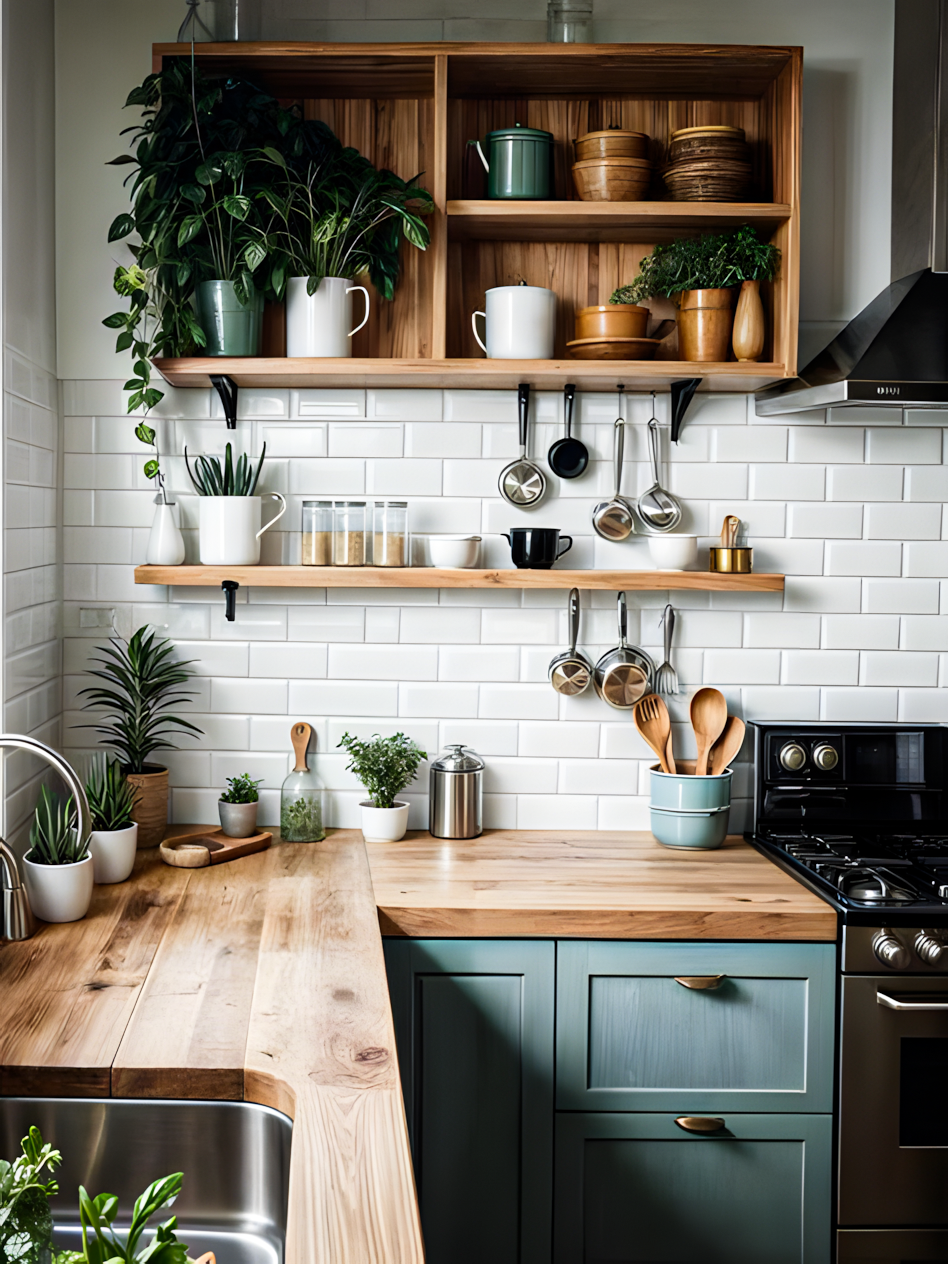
[[682, 393], [226, 388], [230, 587]]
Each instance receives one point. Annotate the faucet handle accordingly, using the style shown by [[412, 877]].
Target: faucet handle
[[17, 921]]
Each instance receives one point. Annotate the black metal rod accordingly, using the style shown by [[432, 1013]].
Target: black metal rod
[[226, 388], [230, 587]]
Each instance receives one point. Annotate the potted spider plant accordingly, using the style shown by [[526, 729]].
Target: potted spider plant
[[114, 838], [385, 766], [141, 683], [58, 867], [230, 513], [238, 806]]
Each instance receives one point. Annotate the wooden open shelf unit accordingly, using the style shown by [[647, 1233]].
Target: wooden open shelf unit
[[413, 107], [437, 577]]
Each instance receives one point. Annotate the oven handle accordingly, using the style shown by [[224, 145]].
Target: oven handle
[[927, 1000]]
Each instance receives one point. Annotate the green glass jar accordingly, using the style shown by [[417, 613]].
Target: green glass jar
[[519, 162]]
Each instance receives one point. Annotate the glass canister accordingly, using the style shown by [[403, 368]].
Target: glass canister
[[317, 533], [569, 21], [390, 543], [301, 799], [349, 533]]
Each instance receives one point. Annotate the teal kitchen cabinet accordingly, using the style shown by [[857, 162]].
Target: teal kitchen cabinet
[[474, 1026], [636, 1189], [695, 1027]]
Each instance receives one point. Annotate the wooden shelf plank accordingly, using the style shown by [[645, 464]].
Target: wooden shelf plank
[[548, 375], [436, 577], [650, 222]]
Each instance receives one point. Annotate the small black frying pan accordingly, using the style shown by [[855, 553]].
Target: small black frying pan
[[568, 457]]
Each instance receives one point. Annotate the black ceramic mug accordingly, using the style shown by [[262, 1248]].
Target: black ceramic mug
[[536, 548]]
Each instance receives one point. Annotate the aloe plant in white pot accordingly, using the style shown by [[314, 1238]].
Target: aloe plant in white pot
[[114, 838], [58, 867], [230, 513], [385, 766]]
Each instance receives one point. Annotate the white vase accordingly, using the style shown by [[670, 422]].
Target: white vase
[[384, 825], [59, 893], [113, 852], [320, 324], [238, 820], [230, 528], [165, 542]]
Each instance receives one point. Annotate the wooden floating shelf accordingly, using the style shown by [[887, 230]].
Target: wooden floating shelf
[[437, 577]]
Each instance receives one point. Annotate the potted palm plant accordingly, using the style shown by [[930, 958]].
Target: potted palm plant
[[58, 867], [114, 838], [141, 683], [385, 766], [230, 513], [238, 806]]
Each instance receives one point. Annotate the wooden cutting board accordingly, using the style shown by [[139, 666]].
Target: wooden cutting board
[[208, 846]]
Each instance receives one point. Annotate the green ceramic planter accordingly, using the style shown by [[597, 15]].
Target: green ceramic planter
[[231, 328]]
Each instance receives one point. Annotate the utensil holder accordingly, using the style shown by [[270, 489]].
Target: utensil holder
[[688, 811], [736, 561]]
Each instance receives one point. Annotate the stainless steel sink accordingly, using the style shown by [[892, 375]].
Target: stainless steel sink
[[235, 1157]]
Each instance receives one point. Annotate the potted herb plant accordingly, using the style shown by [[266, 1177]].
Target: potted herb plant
[[238, 806], [114, 838], [230, 514], [385, 766], [26, 1222], [142, 682], [58, 867]]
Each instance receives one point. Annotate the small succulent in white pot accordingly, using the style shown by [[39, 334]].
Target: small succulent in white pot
[[238, 806], [114, 838], [385, 766], [58, 867]]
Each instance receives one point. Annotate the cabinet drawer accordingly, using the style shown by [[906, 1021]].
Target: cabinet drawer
[[636, 1189], [630, 1037]]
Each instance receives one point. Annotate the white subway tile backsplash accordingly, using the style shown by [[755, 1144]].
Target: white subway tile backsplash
[[388, 662], [521, 776], [926, 482], [753, 443], [921, 706], [517, 702], [903, 522], [353, 439], [863, 483], [823, 521], [240, 694], [860, 632], [557, 811], [287, 660], [900, 596], [903, 446], [598, 776], [928, 559], [569, 740], [785, 703], [896, 667], [742, 667], [403, 478], [486, 737], [481, 663], [520, 627], [822, 594], [777, 630], [820, 667], [701, 482], [826, 445], [871, 706], [793, 557], [786, 482], [403, 404], [345, 697], [623, 812], [330, 477], [439, 700], [924, 632], [320, 404], [849, 557], [435, 439]]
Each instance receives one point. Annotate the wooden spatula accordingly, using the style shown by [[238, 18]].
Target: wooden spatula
[[727, 745], [654, 723], [708, 718]]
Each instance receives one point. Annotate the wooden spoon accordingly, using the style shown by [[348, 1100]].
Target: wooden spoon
[[727, 745], [654, 723], [708, 718]]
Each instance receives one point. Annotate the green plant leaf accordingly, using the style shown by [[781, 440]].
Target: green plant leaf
[[124, 341], [117, 320], [189, 229], [236, 204], [254, 254], [120, 227], [151, 468], [144, 434]]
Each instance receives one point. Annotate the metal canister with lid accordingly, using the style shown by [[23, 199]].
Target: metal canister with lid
[[519, 162], [456, 794]]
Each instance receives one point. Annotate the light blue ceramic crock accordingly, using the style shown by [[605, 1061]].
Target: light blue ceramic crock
[[684, 792], [702, 831]]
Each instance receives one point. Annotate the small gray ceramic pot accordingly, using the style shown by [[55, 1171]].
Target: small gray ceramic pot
[[238, 820]]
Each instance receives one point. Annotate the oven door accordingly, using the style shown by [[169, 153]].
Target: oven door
[[893, 1112]]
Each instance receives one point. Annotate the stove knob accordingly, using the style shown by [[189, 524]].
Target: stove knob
[[825, 756], [792, 756], [930, 947], [891, 951]]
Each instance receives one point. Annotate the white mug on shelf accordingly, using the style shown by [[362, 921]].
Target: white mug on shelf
[[520, 323], [230, 528], [673, 552], [320, 324]]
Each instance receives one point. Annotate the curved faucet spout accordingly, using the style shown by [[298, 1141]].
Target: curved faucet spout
[[16, 741]]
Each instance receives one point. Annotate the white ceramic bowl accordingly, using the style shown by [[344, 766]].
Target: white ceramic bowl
[[673, 552], [459, 551]]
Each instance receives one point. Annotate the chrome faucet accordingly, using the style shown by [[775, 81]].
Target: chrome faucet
[[18, 920]]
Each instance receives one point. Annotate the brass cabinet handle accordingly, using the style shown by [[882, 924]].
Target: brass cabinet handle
[[701, 982], [700, 1123]]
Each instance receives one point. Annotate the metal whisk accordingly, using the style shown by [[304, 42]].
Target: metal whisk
[[666, 678]]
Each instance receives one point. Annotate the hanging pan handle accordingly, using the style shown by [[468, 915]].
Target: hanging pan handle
[[523, 406]]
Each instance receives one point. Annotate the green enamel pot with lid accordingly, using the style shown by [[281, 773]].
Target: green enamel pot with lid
[[518, 162]]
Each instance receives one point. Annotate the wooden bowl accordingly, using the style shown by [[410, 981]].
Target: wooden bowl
[[612, 143], [612, 179], [708, 147], [613, 348], [612, 320], [708, 129]]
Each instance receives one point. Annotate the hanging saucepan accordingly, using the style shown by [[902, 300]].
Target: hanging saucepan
[[568, 457], [571, 672], [522, 483], [625, 674]]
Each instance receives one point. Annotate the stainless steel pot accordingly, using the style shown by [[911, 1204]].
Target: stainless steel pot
[[571, 672], [456, 794], [625, 674]]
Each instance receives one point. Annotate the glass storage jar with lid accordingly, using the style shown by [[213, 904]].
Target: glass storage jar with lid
[[317, 533], [349, 533], [390, 543]]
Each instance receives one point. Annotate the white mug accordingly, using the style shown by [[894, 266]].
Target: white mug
[[520, 321], [320, 324], [673, 552], [230, 528]]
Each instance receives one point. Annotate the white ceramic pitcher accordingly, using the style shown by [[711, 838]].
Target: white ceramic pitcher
[[230, 528], [520, 323], [320, 324]]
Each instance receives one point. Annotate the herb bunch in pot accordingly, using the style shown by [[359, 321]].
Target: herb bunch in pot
[[385, 766], [58, 869], [142, 682], [238, 806], [114, 838], [230, 513]]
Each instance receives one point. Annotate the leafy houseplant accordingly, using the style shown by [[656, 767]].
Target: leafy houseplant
[[238, 806], [26, 1224], [114, 836], [58, 866], [217, 478], [141, 683], [385, 766]]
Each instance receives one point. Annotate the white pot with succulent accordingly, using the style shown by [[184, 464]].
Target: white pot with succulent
[[229, 514], [58, 868], [114, 838], [238, 806], [385, 766]]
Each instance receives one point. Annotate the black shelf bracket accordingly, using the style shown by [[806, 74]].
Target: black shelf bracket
[[226, 388], [230, 587], [682, 393]]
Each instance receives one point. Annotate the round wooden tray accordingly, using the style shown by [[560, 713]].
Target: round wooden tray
[[613, 348]]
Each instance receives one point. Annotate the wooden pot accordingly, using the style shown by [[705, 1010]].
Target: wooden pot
[[612, 320], [748, 340], [615, 142], [704, 325], [151, 804], [612, 179]]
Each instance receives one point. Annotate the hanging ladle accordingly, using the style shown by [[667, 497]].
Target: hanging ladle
[[568, 457], [615, 519], [522, 483], [658, 509]]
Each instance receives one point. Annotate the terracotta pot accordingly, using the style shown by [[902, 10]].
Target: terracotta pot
[[151, 805], [612, 320], [612, 179], [615, 142], [748, 340], [704, 325]]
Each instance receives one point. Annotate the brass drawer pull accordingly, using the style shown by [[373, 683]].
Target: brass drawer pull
[[701, 982], [700, 1123]]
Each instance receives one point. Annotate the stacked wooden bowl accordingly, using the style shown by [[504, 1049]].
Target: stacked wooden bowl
[[708, 164], [612, 166], [612, 331]]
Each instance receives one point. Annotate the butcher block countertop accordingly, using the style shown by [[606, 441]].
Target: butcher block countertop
[[263, 980]]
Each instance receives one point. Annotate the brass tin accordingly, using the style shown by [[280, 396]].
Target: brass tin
[[732, 561]]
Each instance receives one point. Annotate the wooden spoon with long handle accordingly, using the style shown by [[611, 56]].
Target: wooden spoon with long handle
[[300, 735], [654, 723], [727, 745], [708, 718]]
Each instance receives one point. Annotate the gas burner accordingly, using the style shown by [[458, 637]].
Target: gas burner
[[872, 887]]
